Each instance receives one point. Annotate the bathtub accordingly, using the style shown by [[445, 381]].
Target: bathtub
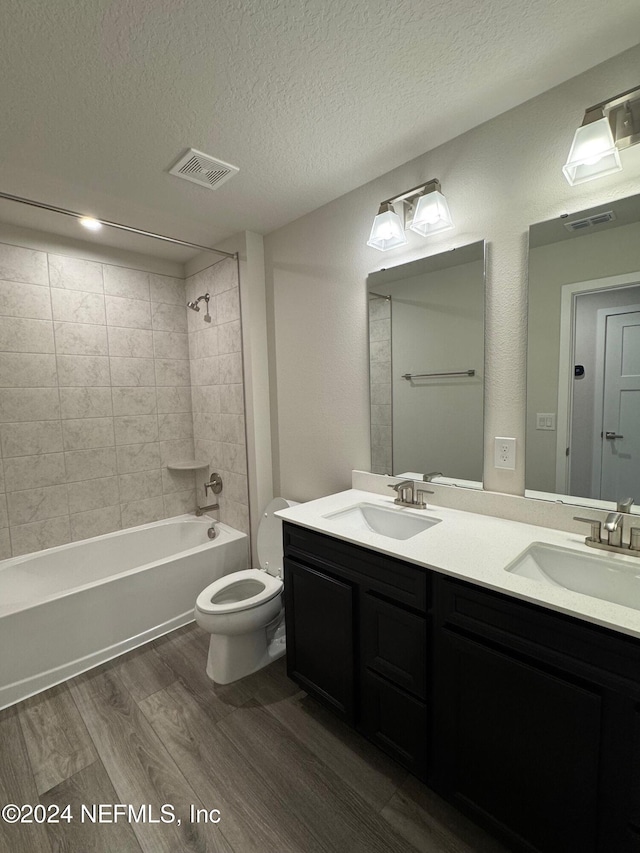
[[70, 608]]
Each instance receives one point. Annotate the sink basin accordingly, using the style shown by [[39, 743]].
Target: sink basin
[[603, 577], [387, 521]]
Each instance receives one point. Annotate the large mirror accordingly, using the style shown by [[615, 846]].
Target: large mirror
[[426, 334], [583, 368]]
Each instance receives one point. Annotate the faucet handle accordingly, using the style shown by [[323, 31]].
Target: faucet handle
[[596, 527], [420, 499]]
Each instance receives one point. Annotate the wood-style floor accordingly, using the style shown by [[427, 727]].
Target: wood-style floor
[[150, 729]]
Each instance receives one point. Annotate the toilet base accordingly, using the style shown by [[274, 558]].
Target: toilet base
[[233, 657]]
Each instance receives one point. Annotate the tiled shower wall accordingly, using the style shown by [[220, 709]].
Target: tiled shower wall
[[380, 367], [217, 387], [95, 398]]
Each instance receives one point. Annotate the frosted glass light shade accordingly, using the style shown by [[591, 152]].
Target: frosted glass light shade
[[387, 231], [431, 214], [593, 153]]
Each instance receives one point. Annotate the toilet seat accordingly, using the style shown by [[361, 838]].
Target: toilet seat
[[247, 589]]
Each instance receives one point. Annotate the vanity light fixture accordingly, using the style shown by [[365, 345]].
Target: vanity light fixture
[[425, 211], [606, 129]]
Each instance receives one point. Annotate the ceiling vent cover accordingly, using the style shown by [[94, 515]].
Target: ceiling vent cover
[[202, 169], [590, 221]]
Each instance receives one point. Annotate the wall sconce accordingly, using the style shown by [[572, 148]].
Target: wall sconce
[[425, 211], [606, 129]]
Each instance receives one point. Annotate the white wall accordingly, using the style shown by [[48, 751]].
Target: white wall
[[499, 178]]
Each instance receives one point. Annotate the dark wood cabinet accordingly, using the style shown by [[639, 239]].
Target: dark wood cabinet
[[526, 719], [357, 639]]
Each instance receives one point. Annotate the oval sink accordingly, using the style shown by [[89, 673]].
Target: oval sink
[[606, 578], [387, 521]]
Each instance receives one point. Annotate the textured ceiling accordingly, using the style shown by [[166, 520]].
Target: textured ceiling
[[310, 99]]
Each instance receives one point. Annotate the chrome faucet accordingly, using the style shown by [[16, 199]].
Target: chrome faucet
[[613, 526], [409, 495]]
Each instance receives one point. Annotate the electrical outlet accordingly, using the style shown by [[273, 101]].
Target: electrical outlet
[[505, 453]]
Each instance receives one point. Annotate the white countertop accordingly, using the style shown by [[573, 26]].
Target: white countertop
[[475, 548]]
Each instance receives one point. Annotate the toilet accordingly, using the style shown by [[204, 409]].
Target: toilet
[[244, 611]]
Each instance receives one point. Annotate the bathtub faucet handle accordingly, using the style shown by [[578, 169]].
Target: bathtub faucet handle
[[215, 484]]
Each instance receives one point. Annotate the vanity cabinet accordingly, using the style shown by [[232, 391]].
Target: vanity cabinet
[[357, 639], [536, 716]]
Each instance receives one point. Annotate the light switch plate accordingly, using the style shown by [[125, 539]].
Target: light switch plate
[[546, 420], [505, 453]]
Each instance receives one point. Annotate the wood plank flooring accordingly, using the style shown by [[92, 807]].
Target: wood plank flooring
[[150, 729]]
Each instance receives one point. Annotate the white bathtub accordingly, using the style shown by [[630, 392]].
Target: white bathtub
[[67, 609]]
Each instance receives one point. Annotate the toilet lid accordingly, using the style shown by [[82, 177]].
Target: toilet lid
[[269, 542]]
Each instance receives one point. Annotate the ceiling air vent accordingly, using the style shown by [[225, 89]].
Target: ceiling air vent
[[590, 221], [204, 170]]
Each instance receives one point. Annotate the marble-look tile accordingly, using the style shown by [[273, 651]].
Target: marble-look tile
[[136, 429], [209, 450], [206, 425], [230, 337], [80, 339], [381, 394], [178, 503], [380, 351], [205, 371], [234, 458], [90, 464], [27, 439], [2, 487], [93, 494], [379, 309], [85, 402], [175, 426], [75, 274], [18, 334], [128, 313], [203, 342], [30, 472], [85, 433], [381, 373], [27, 370], [24, 300], [28, 404], [4, 514], [167, 289], [235, 515], [83, 370], [220, 276], [171, 345], [206, 398], [180, 481], [139, 486], [235, 487], [132, 371], [381, 415], [37, 504], [39, 535], [228, 306], [175, 398], [232, 429], [138, 457], [19, 264], [75, 306], [95, 522], [171, 451], [230, 368], [134, 401], [122, 281], [170, 318], [232, 399], [380, 435], [5, 545], [172, 372], [379, 330], [142, 512], [132, 343]]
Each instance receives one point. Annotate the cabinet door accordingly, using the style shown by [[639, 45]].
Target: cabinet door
[[320, 636], [517, 746]]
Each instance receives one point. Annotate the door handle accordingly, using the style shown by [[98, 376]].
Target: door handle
[[612, 435]]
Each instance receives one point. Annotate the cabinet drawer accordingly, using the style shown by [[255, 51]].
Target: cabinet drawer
[[394, 643], [396, 722], [532, 629], [392, 578]]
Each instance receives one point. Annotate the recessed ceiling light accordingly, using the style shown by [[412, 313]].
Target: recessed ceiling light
[[90, 223]]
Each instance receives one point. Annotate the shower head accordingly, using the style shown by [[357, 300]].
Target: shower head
[[195, 306]]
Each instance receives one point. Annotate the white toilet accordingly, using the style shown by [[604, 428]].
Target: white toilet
[[244, 611]]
